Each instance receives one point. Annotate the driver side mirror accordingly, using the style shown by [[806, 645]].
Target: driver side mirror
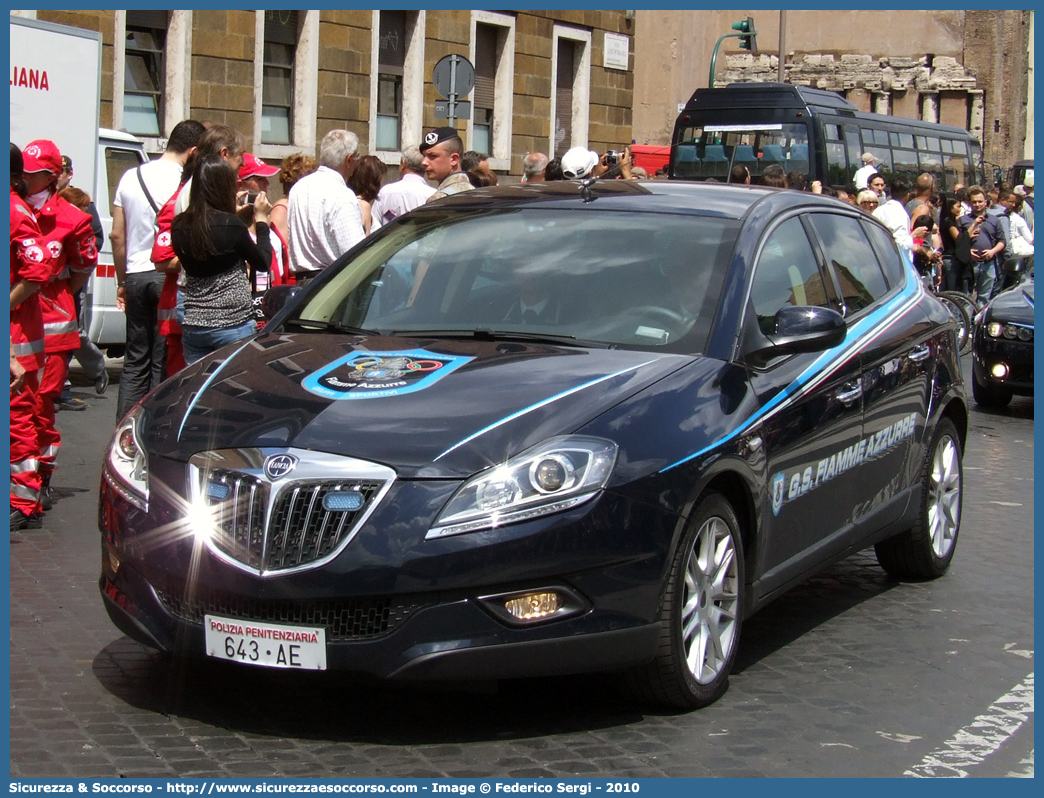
[[797, 328]]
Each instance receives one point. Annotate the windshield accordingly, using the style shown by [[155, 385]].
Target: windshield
[[594, 276], [712, 149]]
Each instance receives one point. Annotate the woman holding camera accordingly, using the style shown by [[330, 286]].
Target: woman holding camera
[[214, 246]]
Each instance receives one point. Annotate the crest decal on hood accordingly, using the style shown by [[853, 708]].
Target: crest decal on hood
[[370, 375]]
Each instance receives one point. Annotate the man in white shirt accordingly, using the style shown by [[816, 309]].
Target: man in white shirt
[[142, 191], [407, 193], [892, 214], [862, 175], [323, 214]]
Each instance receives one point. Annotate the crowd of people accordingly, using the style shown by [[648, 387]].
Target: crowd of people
[[972, 240], [197, 241]]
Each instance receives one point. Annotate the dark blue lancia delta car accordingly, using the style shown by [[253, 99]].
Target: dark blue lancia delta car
[[545, 429]]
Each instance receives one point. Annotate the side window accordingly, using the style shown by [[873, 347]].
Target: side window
[[117, 161], [852, 258], [787, 274], [894, 263]]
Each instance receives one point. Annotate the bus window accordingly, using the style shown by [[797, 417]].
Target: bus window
[[838, 173], [931, 162], [712, 150], [957, 166], [905, 165], [904, 140]]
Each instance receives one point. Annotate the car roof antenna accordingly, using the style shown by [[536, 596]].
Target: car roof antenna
[[585, 189]]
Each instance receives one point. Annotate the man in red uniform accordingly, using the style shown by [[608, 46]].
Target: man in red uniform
[[67, 233], [30, 269]]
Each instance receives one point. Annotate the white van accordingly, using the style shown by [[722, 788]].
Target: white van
[[106, 325]]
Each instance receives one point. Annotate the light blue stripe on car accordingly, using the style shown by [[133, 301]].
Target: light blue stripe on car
[[538, 405], [206, 385], [859, 335]]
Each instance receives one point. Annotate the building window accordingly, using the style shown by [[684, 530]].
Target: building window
[[485, 87], [144, 70], [397, 82], [277, 76], [493, 55], [286, 68], [391, 65], [572, 89]]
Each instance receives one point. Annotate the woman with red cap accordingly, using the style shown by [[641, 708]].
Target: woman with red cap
[[67, 234]]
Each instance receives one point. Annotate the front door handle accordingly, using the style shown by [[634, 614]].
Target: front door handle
[[850, 392], [919, 353]]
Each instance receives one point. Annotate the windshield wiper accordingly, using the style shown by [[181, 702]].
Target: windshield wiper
[[328, 326], [488, 334]]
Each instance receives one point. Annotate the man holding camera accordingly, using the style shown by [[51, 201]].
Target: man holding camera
[[580, 163], [989, 235]]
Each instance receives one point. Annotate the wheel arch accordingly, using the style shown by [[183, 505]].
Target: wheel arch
[[957, 412], [737, 492]]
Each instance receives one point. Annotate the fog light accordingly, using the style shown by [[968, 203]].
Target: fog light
[[999, 370], [533, 606]]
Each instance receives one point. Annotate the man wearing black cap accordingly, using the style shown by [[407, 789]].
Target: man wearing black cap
[[442, 149]]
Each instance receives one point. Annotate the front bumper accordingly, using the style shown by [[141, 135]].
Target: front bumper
[[1016, 356], [400, 607]]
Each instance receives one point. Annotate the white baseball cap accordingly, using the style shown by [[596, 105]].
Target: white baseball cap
[[579, 163]]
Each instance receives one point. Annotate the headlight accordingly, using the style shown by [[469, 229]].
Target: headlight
[[126, 466], [994, 329], [553, 476]]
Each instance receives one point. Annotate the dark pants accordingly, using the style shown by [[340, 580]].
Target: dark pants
[[145, 354]]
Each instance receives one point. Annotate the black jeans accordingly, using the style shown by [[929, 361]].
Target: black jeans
[[145, 355]]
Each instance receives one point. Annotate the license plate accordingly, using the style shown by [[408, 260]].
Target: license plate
[[267, 644]]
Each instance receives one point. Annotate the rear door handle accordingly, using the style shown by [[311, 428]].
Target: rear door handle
[[850, 392], [919, 353]]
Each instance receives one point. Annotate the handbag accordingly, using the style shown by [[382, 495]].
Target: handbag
[[1020, 247]]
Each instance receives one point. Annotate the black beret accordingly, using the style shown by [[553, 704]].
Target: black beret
[[437, 136]]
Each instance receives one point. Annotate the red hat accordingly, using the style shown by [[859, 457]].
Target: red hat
[[42, 156], [254, 166]]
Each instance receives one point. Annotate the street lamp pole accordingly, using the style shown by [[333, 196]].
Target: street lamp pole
[[782, 46]]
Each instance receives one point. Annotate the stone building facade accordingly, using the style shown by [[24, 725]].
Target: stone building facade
[[545, 80], [972, 69]]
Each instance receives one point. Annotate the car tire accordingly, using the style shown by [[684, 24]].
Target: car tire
[[701, 612], [925, 550], [989, 397]]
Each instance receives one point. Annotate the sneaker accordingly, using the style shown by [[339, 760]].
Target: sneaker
[[69, 402], [20, 520], [102, 382]]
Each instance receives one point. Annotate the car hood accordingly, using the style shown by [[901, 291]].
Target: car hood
[[427, 408], [1014, 305]]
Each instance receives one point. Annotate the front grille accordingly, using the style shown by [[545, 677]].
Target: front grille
[[301, 530], [343, 619], [240, 518], [275, 511]]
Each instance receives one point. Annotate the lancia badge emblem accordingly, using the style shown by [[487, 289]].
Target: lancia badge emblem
[[278, 466]]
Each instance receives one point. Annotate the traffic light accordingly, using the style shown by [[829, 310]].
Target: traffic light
[[749, 41]]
